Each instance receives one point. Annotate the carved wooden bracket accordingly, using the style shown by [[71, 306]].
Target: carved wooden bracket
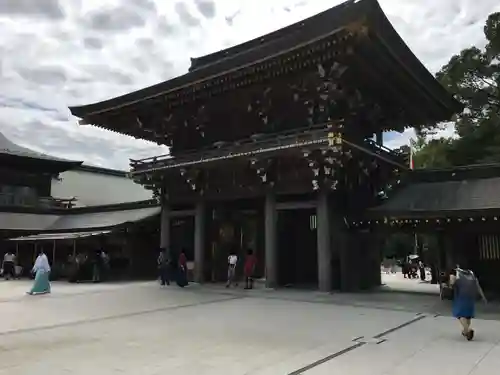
[[324, 164], [265, 170], [194, 178]]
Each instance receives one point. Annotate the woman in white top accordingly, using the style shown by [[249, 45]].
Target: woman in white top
[[232, 260], [9, 265], [41, 269]]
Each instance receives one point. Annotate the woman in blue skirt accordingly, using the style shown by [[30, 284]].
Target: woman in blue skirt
[[466, 288], [41, 269]]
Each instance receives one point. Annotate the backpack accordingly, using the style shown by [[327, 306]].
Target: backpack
[[467, 284]]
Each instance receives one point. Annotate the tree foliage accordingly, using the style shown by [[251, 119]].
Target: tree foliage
[[474, 77], [398, 245]]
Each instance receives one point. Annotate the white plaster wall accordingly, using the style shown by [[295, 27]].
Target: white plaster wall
[[92, 189]]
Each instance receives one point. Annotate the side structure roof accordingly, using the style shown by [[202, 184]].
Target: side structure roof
[[10, 149], [452, 192], [106, 217], [367, 12]]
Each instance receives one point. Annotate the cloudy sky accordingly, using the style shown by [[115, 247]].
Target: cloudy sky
[[56, 53]]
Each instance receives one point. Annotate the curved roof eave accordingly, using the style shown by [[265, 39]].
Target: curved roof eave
[[412, 64], [330, 20], [216, 64]]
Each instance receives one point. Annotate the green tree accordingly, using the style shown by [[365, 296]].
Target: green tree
[[473, 76], [433, 153], [398, 245]]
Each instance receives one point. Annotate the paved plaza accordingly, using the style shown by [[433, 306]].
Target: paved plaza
[[140, 328]]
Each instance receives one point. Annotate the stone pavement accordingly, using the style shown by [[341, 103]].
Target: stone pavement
[[397, 282], [140, 328]]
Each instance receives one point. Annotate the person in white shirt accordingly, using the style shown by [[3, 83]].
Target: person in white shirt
[[9, 265], [232, 261], [41, 269]]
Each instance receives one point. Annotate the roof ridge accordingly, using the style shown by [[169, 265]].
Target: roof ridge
[[255, 43], [10, 148]]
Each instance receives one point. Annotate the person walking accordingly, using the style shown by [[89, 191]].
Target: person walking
[[41, 269], [182, 269], [465, 289], [97, 262], [421, 269], [249, 269], [232, 260], [9, 265], [163, 264], [405, 269]]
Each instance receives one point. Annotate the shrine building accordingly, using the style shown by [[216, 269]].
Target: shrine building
[[63, 207], [276, 142], [458, 206]]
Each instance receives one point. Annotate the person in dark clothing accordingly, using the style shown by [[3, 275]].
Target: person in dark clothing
[[404, 269], [421, 268], [163, 267], [97, 267], [182, 270]]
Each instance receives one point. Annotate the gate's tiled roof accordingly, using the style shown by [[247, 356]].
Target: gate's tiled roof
[[279, 42]]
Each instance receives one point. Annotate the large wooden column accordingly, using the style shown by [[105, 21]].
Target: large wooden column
[[375, 256], [359, 260], [165, 225], [349, 260], [199, 242], [324, 242], [270, 224]]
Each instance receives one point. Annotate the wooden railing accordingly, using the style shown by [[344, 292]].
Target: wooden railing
[[231, 149], [257, 144]]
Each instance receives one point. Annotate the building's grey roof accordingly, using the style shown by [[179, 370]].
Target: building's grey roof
[[79, 221], [101, 170], [101, 220], [26, 222], [10, 148], [444, 196]]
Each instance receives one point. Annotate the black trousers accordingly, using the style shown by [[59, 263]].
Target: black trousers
[[249, 282], [164, 276], [9, 270]]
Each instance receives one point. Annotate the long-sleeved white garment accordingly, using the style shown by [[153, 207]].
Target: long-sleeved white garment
[[41, 263]]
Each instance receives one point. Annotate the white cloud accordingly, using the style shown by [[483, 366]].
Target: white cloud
[[69, 52]]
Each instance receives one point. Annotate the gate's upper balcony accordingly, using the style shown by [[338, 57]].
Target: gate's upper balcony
[[263, 146]]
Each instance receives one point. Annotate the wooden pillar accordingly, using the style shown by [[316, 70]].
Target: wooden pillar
[[324, 243], [348, 243], [199, 242], [270, 224], [53, 252], [165, 226], [346, 267], [378, 238]]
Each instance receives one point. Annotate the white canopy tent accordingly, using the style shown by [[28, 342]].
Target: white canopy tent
[[54, 237]]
